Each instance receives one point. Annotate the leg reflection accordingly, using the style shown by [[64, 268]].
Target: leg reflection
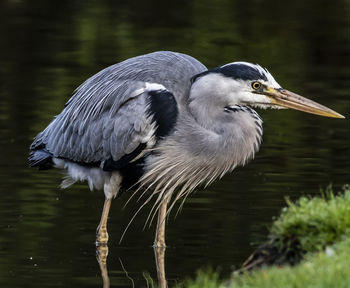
[[159, 253], [101, 255]]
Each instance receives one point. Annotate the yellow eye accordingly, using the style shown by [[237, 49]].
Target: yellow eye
[[256, 85]]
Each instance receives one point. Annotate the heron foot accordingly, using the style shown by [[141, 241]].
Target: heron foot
[[159, 241], [101, 236], [159, 244]]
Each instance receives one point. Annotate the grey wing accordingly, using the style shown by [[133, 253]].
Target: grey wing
[[108, 115], [107, 125]]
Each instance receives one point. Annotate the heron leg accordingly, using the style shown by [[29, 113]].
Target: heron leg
[[159, 240], [101, 233]]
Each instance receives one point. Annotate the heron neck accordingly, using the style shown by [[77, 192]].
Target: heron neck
[[222, 147]]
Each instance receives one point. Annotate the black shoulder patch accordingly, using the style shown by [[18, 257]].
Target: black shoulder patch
[[235, 71], [164, 109]]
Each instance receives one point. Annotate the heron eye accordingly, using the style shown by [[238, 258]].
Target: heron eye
[[256, 85]]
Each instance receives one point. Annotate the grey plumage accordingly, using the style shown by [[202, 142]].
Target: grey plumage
[[164, 122], [105, 118], [108, 117]]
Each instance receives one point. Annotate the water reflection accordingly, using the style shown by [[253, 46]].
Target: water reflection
[[159, 254], [101, 255]]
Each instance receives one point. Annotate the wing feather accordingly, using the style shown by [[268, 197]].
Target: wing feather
[[108, 117]]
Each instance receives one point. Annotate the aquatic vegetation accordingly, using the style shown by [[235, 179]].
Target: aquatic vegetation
[[314, 222], [205, 279], [308, 225], [315, 232]]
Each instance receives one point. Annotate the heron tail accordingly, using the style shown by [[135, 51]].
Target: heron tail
[[41, 159]]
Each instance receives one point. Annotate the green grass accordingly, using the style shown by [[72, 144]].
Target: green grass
[[313, 222], [321, 227], [324, 269]]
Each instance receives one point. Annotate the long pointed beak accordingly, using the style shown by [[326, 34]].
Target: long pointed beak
[[285, 98]]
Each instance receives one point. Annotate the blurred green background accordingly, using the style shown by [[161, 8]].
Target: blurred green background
[[48, 48]]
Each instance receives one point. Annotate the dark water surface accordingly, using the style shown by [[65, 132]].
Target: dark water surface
[[48, 48]]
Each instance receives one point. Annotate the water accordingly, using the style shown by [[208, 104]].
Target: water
[[49, 47]]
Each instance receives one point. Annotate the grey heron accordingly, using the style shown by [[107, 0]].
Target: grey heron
[[164, 122]]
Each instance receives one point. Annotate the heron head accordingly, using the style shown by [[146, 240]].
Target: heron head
[[243, 83]]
